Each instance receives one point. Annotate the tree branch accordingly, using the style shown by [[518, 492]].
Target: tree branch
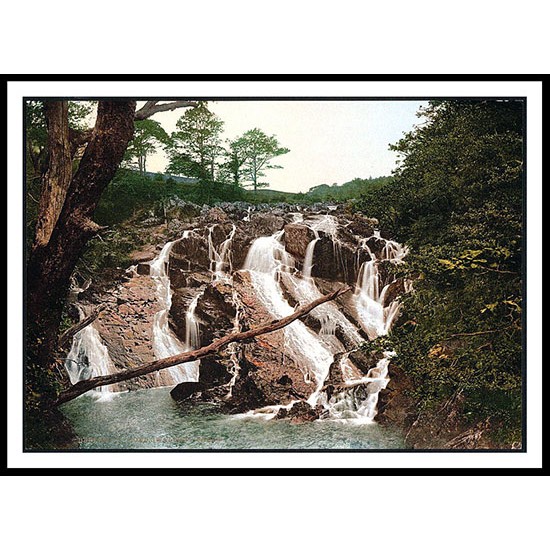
[[152, 107], [475, 333], [66, 337], [85, 385]]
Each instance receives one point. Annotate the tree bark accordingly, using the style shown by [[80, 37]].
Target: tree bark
[[57, 178], [85, 385]]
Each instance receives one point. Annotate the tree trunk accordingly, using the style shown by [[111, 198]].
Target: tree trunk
[[57, 178], [53, 260]]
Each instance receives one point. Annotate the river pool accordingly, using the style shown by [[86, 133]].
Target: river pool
[[151, 419]]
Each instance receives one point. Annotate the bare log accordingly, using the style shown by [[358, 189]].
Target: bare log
[[85, 385], [67, 336], [152, 107]]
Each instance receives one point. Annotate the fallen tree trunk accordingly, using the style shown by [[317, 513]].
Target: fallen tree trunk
[[85, 385], [67, 336]]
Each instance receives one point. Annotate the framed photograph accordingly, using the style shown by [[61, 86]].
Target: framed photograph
[[276, 274]]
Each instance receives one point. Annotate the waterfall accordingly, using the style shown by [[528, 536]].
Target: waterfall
[[267, 259], [308, 259], [233, 348], [192, 329], [220, 258], [89, 358], [376, 319], [337, 333], [358, 404], [270, 265], [165, 342]]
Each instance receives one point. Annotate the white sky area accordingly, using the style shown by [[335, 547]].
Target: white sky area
[[329, 141]]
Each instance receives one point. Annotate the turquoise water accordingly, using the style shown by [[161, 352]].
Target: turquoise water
[[151, 419]]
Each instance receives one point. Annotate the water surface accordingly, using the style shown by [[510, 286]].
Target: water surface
[[151, 419]]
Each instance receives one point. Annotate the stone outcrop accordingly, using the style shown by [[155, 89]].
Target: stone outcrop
[[297, 237]]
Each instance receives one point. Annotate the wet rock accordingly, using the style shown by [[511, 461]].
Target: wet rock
[[300, 412], [394, 290], [184, 390], [337, 261], [190, 254], [361, 226], [376, 246], [216, 311], [216, 215], [264, 224], [213, 372], [143, 256], [143, 269], [212, 383], [297, 237], [365, 360]]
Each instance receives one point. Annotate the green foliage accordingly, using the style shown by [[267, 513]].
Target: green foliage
[[456, 200]]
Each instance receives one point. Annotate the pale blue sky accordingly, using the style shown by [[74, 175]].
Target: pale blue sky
[[329, 141]]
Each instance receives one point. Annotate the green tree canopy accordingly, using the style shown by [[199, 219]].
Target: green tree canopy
[[148, 135], [257, 150], [194, 148]]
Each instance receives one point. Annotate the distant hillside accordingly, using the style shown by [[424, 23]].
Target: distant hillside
[[350, 190]]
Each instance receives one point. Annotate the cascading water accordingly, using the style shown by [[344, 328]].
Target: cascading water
[[375, 318], [270, 264], [359, 403], [220, 257], [89, 358], [192, 329], [267, 259], [273, 274], [165, 342]]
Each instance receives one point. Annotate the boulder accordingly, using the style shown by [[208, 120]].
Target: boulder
[[216, 311], [300, 412], [143, 269], [337, 260], [297, 237], [142, 255], [190, 254]]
